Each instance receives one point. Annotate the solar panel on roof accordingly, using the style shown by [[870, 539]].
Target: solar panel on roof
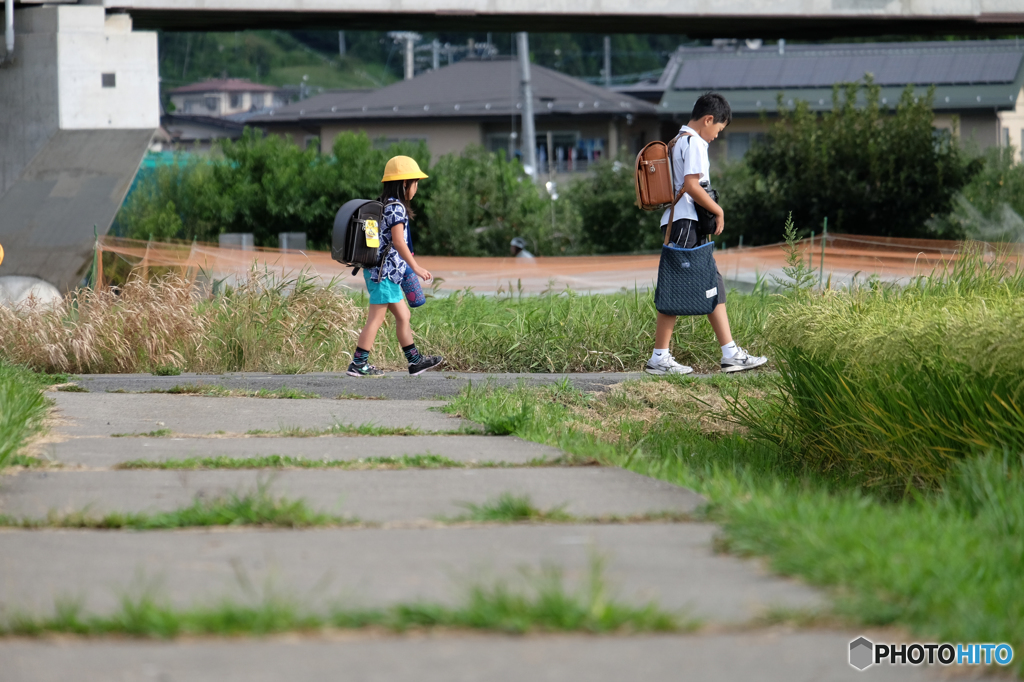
[[726, 74], [935, 68], [968, 68], [763, 72], [1002, 67], [689, 77], [828, 71], [898, 69]]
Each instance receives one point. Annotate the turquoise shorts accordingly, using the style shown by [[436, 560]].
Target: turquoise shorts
[[382, 292]]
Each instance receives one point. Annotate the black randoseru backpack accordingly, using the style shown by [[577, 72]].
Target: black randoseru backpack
[[359, 221]]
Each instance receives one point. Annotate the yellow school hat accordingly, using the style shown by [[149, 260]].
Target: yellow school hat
[[1, 253], [402, 168]]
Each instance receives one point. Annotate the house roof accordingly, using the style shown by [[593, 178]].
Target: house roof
[[967, 74], [223, 85], [467, 89]]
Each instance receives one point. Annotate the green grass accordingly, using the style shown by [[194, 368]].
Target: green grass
[[425, 461], [256, 508], [72, 388], [544, 605], [509, 508], [944, 563], [159, 433], [217, 391], [166, 371], [26, 461], [22, 407]]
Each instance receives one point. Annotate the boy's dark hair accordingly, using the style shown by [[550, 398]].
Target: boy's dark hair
[[395, 189], [712, 104]]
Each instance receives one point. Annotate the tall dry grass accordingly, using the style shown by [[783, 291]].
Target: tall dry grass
[[264, 324]]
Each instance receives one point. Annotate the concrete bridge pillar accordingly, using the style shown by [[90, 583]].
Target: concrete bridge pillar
[[78, 108]]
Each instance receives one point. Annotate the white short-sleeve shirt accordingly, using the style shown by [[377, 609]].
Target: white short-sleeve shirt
[[689, 157]]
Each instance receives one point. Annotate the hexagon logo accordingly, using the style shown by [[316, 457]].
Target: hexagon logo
[[861, 653]]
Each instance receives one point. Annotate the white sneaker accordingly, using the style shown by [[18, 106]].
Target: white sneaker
[[666, 365], [742, 361]]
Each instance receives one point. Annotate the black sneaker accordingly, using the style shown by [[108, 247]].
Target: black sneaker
[[364, 370], [427, 362]]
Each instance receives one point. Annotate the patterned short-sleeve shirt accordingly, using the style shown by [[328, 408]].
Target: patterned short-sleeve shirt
[[394, 266]]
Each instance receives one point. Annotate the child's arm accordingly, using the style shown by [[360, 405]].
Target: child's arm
[[691, 185], [398, 241]]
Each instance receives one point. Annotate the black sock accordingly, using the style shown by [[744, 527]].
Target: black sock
[[411, 354], [361, 356]]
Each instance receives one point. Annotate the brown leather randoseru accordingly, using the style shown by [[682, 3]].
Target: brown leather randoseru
[[654, 179]]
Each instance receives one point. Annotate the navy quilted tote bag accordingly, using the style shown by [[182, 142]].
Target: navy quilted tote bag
[[687, 280]]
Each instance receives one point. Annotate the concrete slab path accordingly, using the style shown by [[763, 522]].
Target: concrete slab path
[[109, 452], [775, 655], [394, 385], [376, 496], [672, 564], [407, 557], [84, 414]]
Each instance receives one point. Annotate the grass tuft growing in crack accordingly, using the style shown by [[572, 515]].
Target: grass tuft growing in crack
[[425, 461], [218, 391], [509, 508], [359, 430], [159, 433], [545, 605], [22, 407], [256, 508]]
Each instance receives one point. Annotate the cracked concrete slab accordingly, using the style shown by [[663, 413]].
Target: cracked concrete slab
[[378, 496], [670, 563], [108, 452], [83, 414]]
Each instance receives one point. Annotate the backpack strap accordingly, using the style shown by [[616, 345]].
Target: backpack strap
[[680, 193]]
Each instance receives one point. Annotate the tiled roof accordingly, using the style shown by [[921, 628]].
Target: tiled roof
[[470, 88]]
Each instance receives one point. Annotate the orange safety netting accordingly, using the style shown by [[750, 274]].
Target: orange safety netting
[[846, 257]]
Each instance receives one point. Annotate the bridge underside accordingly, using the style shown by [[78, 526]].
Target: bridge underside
[[799, 26]]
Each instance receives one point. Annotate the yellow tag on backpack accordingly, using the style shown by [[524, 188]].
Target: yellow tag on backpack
[[372, 234]]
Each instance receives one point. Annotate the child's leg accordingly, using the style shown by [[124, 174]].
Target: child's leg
[[719, 320], [403, 328], [374, 319], [663, 334]]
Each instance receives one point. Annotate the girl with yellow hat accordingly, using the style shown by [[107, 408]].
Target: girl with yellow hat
[[401, 180]]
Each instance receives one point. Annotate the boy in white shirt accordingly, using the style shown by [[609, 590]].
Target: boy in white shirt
[[690, 170]]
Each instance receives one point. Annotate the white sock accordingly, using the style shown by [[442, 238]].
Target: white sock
[[658, 355], [729, 350]]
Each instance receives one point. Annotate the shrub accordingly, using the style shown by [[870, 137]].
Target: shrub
[[991, 206], [611, 220], [263, 184], [479, 201], [869, 170]]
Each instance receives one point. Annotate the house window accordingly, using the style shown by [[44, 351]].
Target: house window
[[1005, 142], [211, 103], [738, 144], [193, 105], [236, 101], [312, 142], [257, 100], [109, 80]]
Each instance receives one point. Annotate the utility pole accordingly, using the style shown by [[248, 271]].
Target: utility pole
[[607, 61], [341, 43], [529, 143], [410, 56], [408, 40]]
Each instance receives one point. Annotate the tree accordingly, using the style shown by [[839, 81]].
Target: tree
[[869, 170]]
